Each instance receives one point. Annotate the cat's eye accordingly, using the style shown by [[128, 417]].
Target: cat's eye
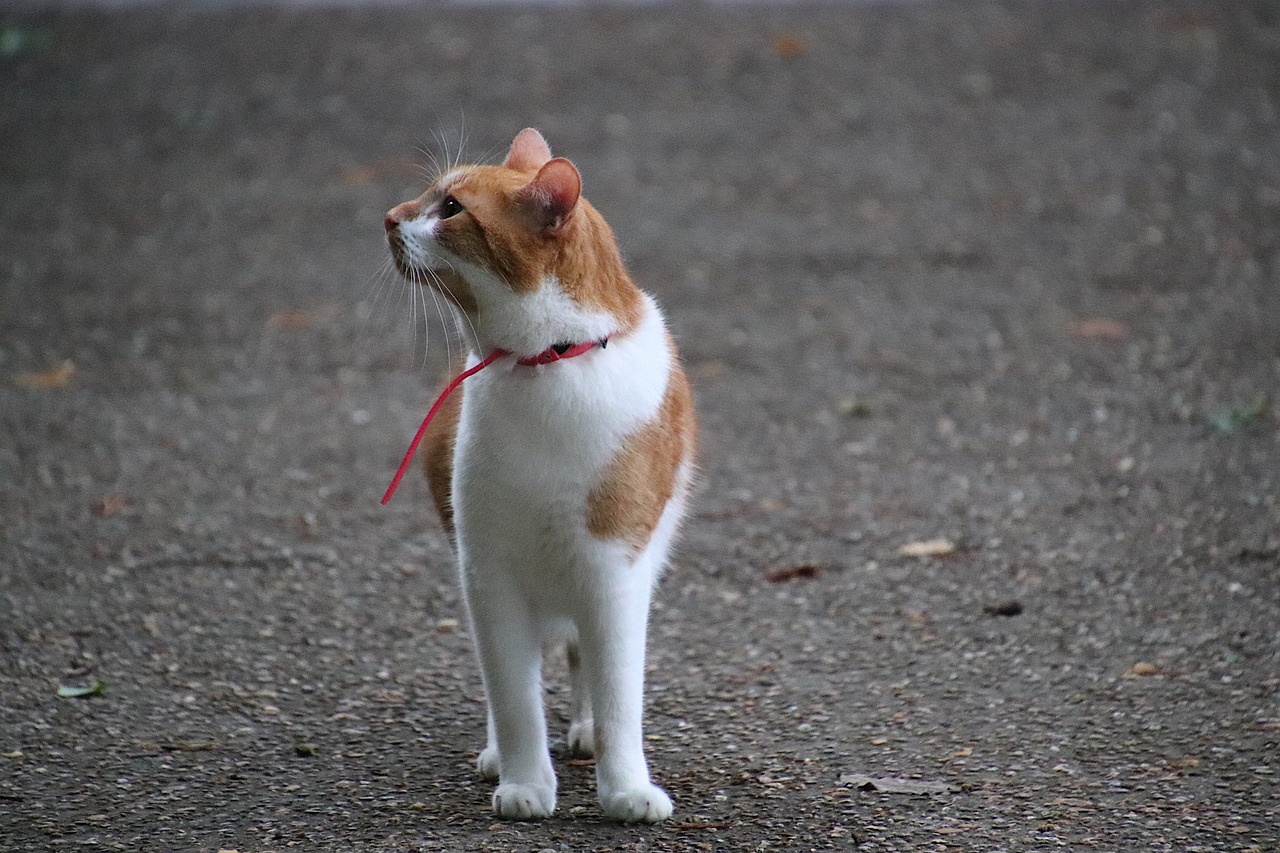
[[449, 207]]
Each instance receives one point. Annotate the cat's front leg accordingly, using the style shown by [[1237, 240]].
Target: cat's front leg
[[612, 649], [511, 662]]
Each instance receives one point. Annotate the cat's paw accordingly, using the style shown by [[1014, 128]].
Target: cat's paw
[[582, 739], [643, 804], [524, 801], [487, 763]]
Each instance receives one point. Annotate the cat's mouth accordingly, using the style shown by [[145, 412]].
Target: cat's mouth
[[440, 277], [417, 266]]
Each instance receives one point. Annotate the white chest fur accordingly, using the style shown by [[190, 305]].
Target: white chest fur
[[534, 441]]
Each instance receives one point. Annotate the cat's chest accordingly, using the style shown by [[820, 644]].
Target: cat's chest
[[533, 442], [552, 429]]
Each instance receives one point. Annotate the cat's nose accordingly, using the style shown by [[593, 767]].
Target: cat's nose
[[400, 213]]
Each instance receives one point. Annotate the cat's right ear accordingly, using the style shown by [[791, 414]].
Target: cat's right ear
[[529, 152], [550, 199]]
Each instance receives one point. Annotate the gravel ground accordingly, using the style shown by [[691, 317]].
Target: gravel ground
[[1004, 275]]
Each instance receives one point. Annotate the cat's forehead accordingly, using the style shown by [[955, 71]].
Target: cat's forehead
[[480, 179]]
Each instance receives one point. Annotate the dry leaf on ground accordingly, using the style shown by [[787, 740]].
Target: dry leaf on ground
[[48, 380], [895, 784], [1099, 329], [791, 573], [928, 548], [109, 506]]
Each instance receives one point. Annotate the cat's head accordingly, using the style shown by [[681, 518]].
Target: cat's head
[[517, 250]]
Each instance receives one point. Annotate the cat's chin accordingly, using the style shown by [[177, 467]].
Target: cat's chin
[[446, 281]]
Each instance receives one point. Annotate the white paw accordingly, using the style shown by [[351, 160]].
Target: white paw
[[521, 801], [487, 764], [582, 739], [644, 804]]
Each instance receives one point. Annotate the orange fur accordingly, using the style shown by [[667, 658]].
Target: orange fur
[[439, 442], [525, 221], [496, 231], [629, 499]]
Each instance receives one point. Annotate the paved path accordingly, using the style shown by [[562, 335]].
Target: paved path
[[982, 273]]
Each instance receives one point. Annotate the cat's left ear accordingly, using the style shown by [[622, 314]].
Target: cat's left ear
[[529, 151], [550, 199]]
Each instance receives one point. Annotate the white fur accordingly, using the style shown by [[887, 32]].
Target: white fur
[[532, 444]]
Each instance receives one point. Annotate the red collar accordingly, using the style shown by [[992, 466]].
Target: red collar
[[550, 355], [558, 352]]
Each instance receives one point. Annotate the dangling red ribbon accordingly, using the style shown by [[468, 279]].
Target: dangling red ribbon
[[547, 356]]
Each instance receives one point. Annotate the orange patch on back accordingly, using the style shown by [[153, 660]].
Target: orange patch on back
[[631, 496]]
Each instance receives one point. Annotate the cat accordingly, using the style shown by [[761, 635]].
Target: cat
[[561, 470]]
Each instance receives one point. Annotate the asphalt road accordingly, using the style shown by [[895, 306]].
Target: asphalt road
[[1003, 275]]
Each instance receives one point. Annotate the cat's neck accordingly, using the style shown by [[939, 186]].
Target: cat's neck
[[591, 272], [584, 294]]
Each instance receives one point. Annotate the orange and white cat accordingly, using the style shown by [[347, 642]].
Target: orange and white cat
[[561, 468]]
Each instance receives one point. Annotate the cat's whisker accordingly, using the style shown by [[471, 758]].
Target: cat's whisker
[[462, 142], [416, 296], [371, 293], [475, 335], [435, 300], [426, 323], [437, 162], [448, 342]]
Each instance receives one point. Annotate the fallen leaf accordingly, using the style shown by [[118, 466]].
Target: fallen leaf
[[791, 573], [23, 41], [1230, 420], [1099, 329], [48, 380], [1004, 608], [789, 46], [895, 784], [96, 689], [928, 548], [1142, 668], [109, 506], [852, 407], [301, 318]]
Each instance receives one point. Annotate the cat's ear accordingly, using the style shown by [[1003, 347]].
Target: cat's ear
[[550, 199], [528, 152]]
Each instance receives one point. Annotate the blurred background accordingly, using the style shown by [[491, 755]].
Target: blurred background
[[980, 302]]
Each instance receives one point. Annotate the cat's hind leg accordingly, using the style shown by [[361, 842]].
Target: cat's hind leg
[[582, 743], [487, 764]]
